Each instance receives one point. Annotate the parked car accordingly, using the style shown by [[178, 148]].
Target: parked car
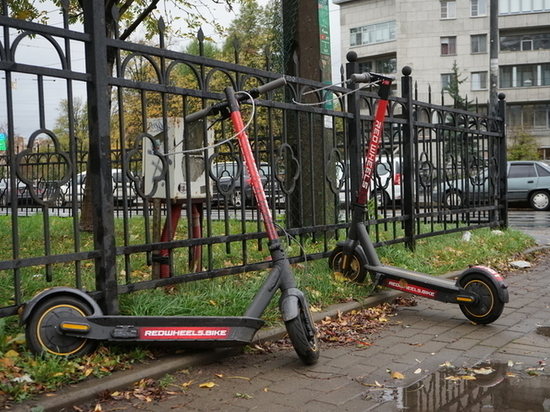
[[120, 185], [528, 181], [232, 183], [385, 185], [24, 196]]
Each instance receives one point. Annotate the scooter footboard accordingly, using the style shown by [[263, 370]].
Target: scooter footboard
[[187, 331]]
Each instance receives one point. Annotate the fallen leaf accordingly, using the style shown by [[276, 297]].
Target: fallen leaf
[[483, 371], [238, 377], [207, 385], [468, 378], [462, 377], [419, 370], [243, 395], [452, 378], [397, 375]]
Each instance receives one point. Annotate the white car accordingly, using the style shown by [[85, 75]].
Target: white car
[[385, 184], [120, 184]]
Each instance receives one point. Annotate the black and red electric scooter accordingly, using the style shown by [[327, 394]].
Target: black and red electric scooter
[[479, 291], [68, 322]]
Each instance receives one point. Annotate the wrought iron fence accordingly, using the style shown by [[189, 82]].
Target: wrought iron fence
[[145, 169]]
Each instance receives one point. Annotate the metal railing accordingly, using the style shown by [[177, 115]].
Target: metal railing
[[169, 216]]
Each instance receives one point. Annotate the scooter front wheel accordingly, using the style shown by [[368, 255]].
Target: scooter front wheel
[[302, 334], [42, 330], [354, 270], [488, 307]]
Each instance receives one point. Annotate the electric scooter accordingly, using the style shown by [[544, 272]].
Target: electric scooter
[[479, 291], [68, 322]]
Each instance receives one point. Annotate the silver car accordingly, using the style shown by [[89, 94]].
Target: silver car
[[121, 187], [528, 181]]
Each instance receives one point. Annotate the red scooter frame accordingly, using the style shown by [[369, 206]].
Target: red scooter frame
[[68, 322], [479, 291]]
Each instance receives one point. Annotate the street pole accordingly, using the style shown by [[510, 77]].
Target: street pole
[[493, 58]]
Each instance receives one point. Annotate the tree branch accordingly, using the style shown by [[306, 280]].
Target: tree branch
[[139, 19]]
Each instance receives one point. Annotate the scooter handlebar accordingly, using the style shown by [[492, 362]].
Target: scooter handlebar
[[272, 85], [360, 77], [193, 117], [218, 107], [368, 77]]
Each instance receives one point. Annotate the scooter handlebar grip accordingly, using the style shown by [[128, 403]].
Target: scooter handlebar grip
[[275, 84], [198, 115], [360, 77]]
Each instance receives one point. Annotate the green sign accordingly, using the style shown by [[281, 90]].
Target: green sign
[[324, 39], [3, 141]]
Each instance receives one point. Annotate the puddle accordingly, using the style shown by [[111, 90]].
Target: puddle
[[487, 387]]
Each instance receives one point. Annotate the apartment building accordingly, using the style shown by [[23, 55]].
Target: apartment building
[[431, 35]]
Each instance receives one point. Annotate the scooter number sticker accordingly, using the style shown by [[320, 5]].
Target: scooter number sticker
[[404, 286], [175, 333]]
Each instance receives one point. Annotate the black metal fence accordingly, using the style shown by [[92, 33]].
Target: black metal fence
[[164, 205]]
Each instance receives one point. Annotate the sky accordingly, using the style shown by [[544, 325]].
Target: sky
[[38, 51]]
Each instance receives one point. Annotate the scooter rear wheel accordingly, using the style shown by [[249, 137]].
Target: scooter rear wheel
[[354, 272], [302, 334], [489, 306], [42, 331]]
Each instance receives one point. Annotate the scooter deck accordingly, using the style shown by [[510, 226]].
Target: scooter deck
[[414, 282], [187, 331]]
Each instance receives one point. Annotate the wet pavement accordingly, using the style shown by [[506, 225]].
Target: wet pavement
[[427, 357]]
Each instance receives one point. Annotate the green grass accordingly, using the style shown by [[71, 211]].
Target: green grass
[[226, 296]]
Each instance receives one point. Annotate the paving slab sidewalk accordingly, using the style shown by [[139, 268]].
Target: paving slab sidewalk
[[421, 337]]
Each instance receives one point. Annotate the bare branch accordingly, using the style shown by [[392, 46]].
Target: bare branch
[[144, 14]]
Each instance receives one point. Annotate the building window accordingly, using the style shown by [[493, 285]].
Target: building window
[[478, 8], [529, 116], [525, 75], [446, 80], [522, 6], [525, 42], [366, 67], [388, 65], [479, 81], [448, 46], [448, 9], [479, 43], [373, 33]]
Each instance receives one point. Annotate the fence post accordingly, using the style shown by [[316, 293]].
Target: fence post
[[99, 154], [502, 163], [407, 178], [354, 127]]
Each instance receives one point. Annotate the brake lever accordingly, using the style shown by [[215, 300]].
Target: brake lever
[[224, 114]]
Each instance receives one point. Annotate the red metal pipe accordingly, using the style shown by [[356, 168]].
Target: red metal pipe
[[168, 234]]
